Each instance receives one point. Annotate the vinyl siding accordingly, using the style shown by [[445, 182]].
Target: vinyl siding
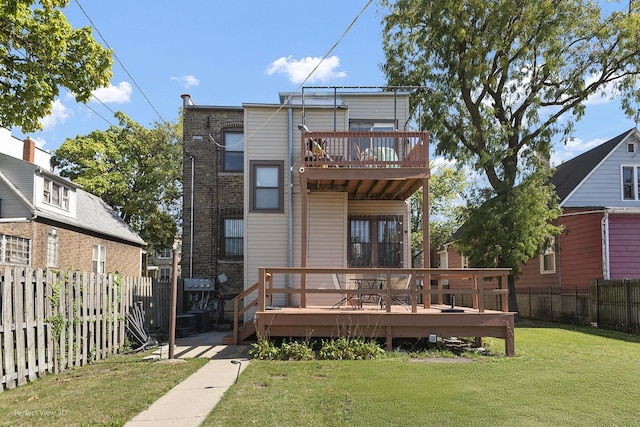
[[624, 246], [604, 186], [20, 173], [380, 108], [265, 233], [327, 240], [10, 205], [580, 253]]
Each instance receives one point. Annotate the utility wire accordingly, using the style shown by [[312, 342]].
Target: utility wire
[[122, 65], [301, 84]]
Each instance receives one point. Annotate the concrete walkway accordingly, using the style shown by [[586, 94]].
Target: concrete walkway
[[189, 402]]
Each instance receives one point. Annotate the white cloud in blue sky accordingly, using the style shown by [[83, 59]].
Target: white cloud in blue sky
[[120, 94], [59, 114], [298, 70], [187, 80]]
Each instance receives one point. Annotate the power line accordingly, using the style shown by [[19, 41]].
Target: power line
[[286, 101], [122, 65]]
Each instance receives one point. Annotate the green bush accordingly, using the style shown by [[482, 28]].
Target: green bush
[[333, 349]]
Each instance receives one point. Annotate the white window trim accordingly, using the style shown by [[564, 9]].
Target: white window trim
[[548, 251], [635, 168]]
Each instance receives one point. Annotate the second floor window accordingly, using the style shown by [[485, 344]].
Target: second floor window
[[55, 194], [267, 186], [233, 159], [631, 182], [165, 253]]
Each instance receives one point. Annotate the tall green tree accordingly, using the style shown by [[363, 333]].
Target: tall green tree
[[504, 77], [39, 54], [135, 170], [447, 186]]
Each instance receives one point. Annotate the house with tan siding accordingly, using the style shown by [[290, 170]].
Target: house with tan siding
[[346, 208], [49, 222]]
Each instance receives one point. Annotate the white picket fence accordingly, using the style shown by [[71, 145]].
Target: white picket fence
[[52, 320]]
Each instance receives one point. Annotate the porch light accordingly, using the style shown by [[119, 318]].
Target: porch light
[[303, 128]]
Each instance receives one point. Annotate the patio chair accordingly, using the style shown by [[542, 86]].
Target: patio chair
[[354, 301], [401, 283]]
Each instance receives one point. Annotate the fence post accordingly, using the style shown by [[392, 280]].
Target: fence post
[[575, 304], [627, 285]]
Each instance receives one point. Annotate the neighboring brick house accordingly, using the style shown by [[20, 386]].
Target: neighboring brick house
[[213, 159], [48, 221]]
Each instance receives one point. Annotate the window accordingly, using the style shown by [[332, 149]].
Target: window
[[52, 249], [232, 238], [233, 158], [465, 261], [99, 258], [55, 194], [375, 241], [165, 253], [267, 188], [631, 182], [164, 273], [15, 250], [364, 143], [548, 258]]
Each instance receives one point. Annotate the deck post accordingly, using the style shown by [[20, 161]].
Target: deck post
[[480, 292], [509, 340]]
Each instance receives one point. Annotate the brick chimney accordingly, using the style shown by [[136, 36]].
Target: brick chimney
[[29, 150]]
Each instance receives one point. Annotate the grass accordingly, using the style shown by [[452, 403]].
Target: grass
[[561, 375], [566, 376], [107, 393]]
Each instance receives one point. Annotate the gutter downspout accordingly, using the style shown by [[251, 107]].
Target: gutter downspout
[[605, 245], [289, 201], [191, 221]]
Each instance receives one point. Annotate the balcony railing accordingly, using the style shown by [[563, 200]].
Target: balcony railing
[[365, 149]]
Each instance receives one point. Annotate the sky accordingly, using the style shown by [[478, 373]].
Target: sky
[[227, 53]]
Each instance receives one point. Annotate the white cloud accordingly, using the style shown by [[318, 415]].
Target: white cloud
[[574, 147], [188, 80], [120, 94], [603, 96], [298, 70], [59, 114]]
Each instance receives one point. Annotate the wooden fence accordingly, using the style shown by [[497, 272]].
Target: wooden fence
[[51, 320], [615, 304]]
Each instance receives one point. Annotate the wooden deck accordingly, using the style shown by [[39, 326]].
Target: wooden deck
[[389, 320]]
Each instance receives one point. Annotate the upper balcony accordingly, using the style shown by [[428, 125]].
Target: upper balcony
[[367, 165]]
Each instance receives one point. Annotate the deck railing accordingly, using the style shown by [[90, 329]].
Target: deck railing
[[365, 149], [483, 283]]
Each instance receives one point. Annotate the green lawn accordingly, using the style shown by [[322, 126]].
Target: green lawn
[[559, 377], [107, 393]]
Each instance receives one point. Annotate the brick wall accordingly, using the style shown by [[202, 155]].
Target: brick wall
[[75, 249], [216, 194]]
